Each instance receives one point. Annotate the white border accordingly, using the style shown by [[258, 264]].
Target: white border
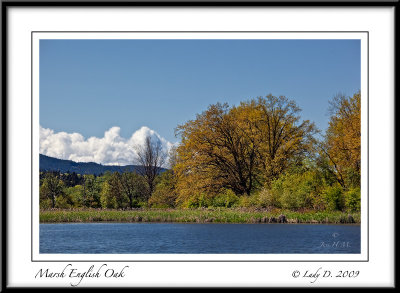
[[362, 36], [378, 21]]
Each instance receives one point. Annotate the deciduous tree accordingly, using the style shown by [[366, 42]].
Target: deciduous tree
[[240, 148], [51, 188], [151, 158], [342, 145], [134, 187]]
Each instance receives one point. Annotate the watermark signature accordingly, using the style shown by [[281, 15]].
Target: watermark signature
[[336, 242]]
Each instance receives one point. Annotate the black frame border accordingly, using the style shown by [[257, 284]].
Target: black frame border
[[38, 3]]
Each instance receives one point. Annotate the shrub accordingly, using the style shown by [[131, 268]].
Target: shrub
[[319, 201], [62, 202], [165, 195], [268, 198], [203, 201], [198, 200], [244, 201], [225, 199], [353, 199], [45, 203], [294, 191], [334, 198], [162, 198], [263, 199]]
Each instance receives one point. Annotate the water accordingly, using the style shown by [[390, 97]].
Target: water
[[169, 238]]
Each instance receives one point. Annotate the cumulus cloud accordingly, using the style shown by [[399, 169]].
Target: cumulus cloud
[[112, 149]]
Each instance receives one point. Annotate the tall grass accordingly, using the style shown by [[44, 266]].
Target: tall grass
[[216, 215]]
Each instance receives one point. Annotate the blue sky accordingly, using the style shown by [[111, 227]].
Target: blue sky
[[89, 86]]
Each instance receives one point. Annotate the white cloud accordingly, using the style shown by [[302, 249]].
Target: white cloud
[[112, 149]]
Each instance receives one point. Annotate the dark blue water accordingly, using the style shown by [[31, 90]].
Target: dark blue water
[[141, 238]]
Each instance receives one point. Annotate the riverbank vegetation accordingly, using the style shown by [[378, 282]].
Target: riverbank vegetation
[[246, 163], [201, 215]]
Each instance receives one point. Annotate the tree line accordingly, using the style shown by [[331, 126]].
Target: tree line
[[260, 153]]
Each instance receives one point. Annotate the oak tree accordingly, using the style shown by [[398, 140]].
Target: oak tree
[[240, 148]]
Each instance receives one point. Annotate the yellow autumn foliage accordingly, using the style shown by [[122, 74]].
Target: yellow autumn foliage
[[240, 148]]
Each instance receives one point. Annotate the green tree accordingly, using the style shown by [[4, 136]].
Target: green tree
[[107, 198], [353, 199], [51, 188], [296, 189], [133, 187], [91, 191], [116, 191], [75, 193], [334, 197], [164, 195]]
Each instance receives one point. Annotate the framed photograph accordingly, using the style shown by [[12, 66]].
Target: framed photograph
[[198, 144]]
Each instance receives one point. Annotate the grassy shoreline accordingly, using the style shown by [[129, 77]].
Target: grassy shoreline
[[216, 215]]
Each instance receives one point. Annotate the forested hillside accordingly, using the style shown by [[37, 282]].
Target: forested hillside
[[47, 163]]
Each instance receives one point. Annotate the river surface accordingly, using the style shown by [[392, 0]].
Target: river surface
[[210, 238]]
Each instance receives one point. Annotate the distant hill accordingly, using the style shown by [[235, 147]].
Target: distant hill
[[47, 163]]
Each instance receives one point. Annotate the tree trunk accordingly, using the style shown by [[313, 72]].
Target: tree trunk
[[130, 201]]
